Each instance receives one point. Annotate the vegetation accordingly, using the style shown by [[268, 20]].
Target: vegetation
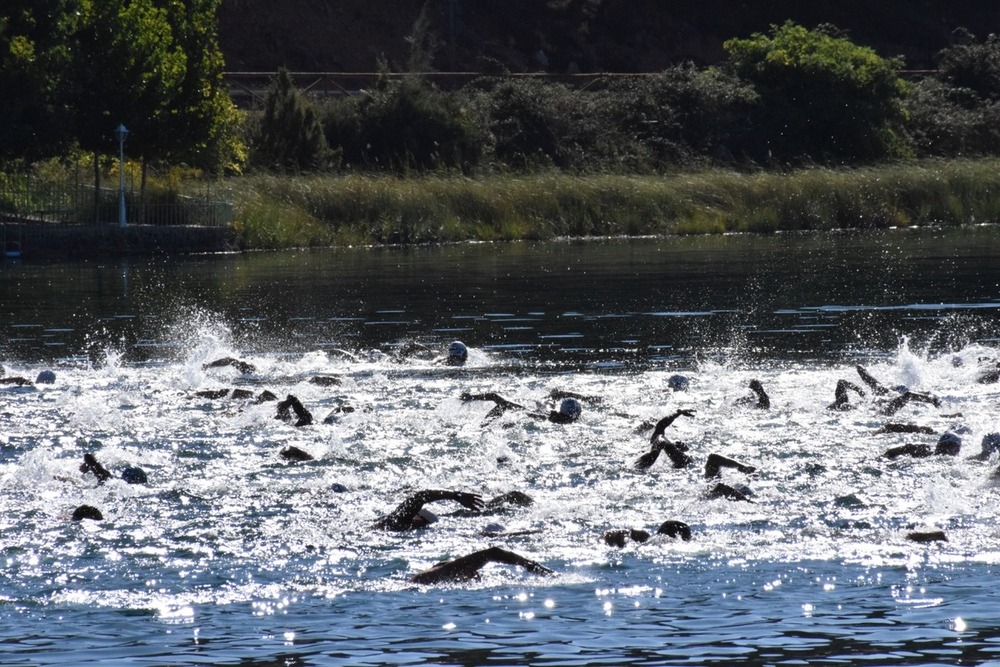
[[72, 70], [352, 209], [798, 129]]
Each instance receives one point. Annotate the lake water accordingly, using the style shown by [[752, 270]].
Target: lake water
[[232, 556]]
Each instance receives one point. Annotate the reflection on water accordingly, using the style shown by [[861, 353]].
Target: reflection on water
[[231, 555]]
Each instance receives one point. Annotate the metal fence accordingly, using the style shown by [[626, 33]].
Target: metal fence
[[28, 199]]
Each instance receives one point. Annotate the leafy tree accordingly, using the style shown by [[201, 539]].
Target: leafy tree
[[127, 68], [955, 112], [201, 123], [34, 53], [821, 97], [972, 64], [289, 136]]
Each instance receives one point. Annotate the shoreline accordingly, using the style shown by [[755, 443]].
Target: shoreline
[[62, 241]]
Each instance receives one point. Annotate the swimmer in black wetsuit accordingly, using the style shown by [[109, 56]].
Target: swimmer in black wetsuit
[[842, 400], [293, 453], [411, 513], [242, 366], [903, 397], [292, 404], [467, 567], [676, 451], [569, 410], [87, 512], [618, 538], [130, 474], [759, 400]]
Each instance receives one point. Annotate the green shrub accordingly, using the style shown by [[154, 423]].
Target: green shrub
[[289, 136], [821, 97]]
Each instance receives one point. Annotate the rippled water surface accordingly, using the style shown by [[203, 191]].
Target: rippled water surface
[[230, 555]]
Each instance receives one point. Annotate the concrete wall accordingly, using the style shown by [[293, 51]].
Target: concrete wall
[[67, 241]]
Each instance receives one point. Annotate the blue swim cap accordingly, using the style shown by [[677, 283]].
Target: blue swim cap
[[457, 349], [570, 407], [678, 382], [45, 377], [949, 443]]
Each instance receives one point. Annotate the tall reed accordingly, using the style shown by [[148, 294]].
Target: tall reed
[[283, 211]]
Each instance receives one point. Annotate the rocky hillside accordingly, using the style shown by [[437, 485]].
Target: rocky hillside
[[567, 35]]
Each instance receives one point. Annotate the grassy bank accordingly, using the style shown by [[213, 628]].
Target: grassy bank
[[293, 211]]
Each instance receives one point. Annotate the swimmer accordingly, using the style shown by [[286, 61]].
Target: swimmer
[[904, 394], [501, 404], [990, 444], [990, 375], [842, 400], [237, 394], [727, 492], [46, 377], [715, 463], [467, 567], [927, 536], [411, 513], [130, 474], [893, 427], [671, 528], [242, 366], [16, 380], [337, 412], [292, 404], [87, 512], [325, 381], [569, 410], [293, 453], [760, 400], [949, 445], [458, 354]]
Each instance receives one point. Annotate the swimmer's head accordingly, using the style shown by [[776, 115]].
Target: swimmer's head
[[948, 444], [45, 377], [87, 512], [570, 408], [458, 353], [678, 382], [134, 475], [423, 518]]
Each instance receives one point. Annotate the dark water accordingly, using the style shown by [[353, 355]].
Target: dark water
[[232, 556], [633, 301]]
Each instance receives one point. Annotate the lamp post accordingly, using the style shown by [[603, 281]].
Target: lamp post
[[121, 132]]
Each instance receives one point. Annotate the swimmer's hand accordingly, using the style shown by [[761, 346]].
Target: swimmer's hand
[[472, 501], [685, 413]]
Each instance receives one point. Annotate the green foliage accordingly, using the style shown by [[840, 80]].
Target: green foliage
[[682, 114], [402, 126], [127, 68], [821, 97], [956, 111], [973, 65], [34, 54], [289, 136]]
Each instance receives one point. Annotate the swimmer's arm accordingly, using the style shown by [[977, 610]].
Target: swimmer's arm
[[402, 516], [662, 425], [467, 567], [501, 402]]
